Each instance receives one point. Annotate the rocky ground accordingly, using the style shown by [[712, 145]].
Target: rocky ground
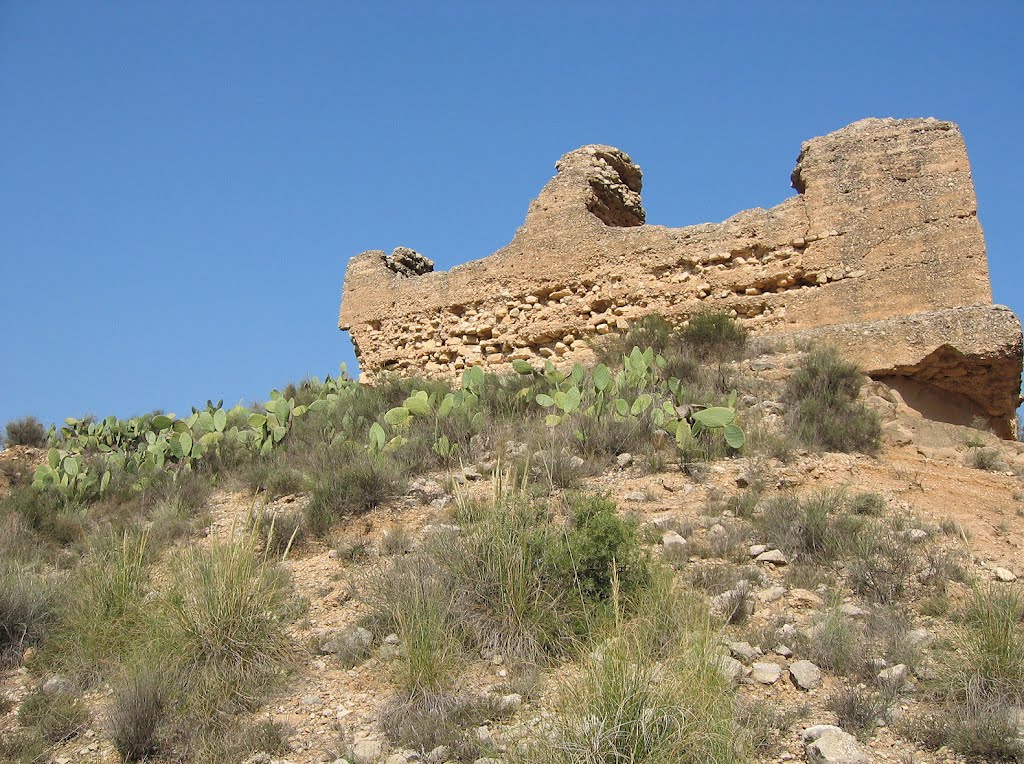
[[924, 473]]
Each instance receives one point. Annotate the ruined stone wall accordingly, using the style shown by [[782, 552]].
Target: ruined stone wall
[[884, 226]]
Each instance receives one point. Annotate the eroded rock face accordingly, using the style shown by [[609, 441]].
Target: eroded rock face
[[880, 252]]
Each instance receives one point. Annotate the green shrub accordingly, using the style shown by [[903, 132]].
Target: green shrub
[[273, 476], [858, 710], [27, 431], [24, 747], [351, 483], [56, 716], [603, 548], [836, 644], [715, 335], [45, 513], [265, 736], [989, 459], [651, 331], [824, 411], [981, 730], [426, 723], [883, 565], [809, 528]]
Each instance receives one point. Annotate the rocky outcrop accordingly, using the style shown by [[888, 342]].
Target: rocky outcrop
[[879, 252]]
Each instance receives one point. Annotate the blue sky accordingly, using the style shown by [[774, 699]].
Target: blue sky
[[182, 183]]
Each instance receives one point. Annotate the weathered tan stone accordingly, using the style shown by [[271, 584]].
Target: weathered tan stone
[[880, 252]]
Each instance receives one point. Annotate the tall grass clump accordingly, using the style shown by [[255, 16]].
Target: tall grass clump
[[138, 712], [530, 586], [349, 482], [27, 612], [221, 625], [824, 410], [989, 645], [26, 431], [813, 527], [103, 618], [643, 697], [412, 597]]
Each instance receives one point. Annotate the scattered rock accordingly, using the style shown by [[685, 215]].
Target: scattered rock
[[624, 460], [426, 490], [635, 496], [774, 556], [1004, 575], [731, 668], [367, 752], [350, 641], [851, 610], [439, 755], [672, 541], [896, 434], [744, 651], [771, 594], [766, 673], [833, 746], [56, 684], [798, 598], [806, 676], [511, 702], [757, 549], [895, 676], [915, 534]]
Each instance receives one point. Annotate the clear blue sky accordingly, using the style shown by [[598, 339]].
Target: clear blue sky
[[182, 183]]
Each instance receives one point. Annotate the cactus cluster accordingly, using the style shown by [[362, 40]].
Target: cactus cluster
[[85, 453]]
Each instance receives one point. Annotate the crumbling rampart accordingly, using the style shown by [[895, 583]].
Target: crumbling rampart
[[880, 252]]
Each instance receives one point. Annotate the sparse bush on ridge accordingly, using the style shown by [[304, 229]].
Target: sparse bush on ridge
[[27, 431]]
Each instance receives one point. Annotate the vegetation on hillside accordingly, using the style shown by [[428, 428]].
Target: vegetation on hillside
[[104, 586]]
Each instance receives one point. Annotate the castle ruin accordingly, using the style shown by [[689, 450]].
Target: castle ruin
[[880, 253]]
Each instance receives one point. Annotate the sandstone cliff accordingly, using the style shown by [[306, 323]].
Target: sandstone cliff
[[880, 252]]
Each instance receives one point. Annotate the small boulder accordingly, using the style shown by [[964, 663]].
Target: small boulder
[[731, 668], [806, 676], [1004, 575], [773, 556], [673, 542], [834, 746], [894, 676], [367, 752], [624, 460], [744, 651], [766, 673]]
